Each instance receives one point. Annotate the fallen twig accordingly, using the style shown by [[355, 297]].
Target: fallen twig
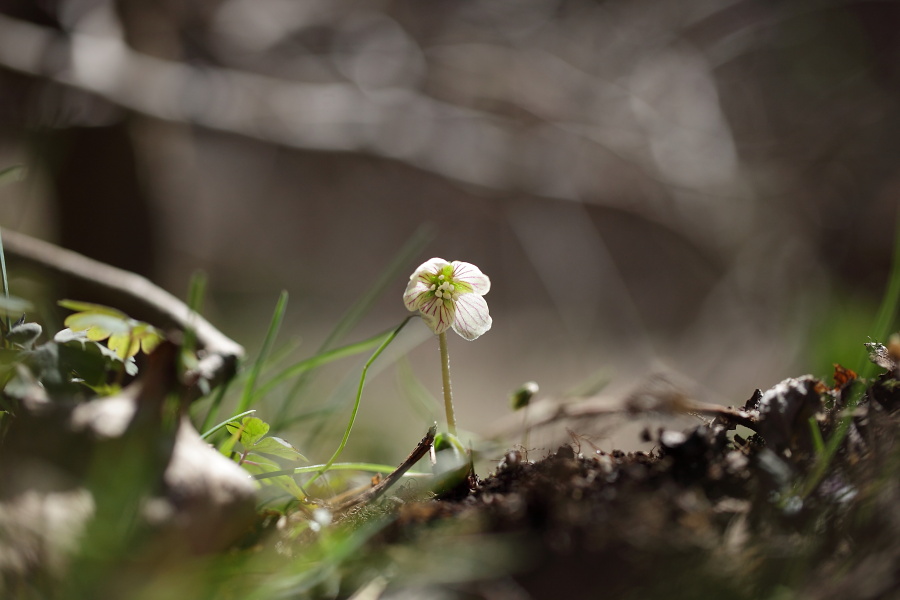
[[375, 492]]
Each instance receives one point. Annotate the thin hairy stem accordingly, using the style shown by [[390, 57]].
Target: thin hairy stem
[[448, 393]]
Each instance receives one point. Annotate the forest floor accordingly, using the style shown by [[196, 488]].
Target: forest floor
[[805, 505]]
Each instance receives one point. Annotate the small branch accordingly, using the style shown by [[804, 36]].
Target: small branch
[[548, 412], [136, 295], [381, 487], [734, 415]]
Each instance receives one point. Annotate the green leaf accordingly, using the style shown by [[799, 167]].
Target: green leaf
[[150, 339], [124, 345], [252, 430], [212, 430], [290, 486], [227, 447], [88, 360], [278, 447], [448, 441], [99, 326], [126, 335], [90, 307], [259, 465]]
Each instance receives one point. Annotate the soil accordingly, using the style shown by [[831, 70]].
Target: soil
[[708, 513]]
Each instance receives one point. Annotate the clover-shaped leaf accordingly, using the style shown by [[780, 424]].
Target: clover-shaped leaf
[[259, 450], [252, 430], [126, 336], [253, 438]]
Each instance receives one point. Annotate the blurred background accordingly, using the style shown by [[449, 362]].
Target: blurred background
[[707, 189]]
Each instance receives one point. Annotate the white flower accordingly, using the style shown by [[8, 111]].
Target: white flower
[[450, 295]]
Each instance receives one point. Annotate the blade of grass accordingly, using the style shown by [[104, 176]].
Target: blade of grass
[[890, 306], [316, 566], [196, 292], [351, 466], [417, 395], [824, 458], [247, 396], [214, 406], [213, 409], [413, 246], [318, 423], [816, 434], [280, 355], [359, 390], [216, 402], [5, 280], [883, 326], [322, 358]]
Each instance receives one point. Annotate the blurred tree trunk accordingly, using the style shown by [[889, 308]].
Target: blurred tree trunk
[[83, 145]]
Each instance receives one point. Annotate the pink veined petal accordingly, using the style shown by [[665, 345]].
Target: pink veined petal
[[472, 317], [437, 314], [428, 269], [416, 293], [472, 275]]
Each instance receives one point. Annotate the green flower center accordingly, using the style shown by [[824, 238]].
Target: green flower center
[[445, 287]]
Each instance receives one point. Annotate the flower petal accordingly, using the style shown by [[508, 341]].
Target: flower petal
[[416, 293], [428, 268], [471, 275], [438, 314], [472, 317]]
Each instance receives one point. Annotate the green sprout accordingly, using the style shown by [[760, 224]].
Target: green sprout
[[519, 400]]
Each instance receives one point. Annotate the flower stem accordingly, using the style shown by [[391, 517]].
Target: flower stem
[[448, 394]]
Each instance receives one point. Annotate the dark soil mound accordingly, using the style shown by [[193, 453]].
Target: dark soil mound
[[707, 514]]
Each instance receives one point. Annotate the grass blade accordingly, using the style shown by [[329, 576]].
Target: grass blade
[[890, 306], [196, 292], [398, 264], [884, 324], [214, 406], [413, 246], [247, 395], [352, 466], [319, 360], [5, 280], [816, 434], [362, 381]]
